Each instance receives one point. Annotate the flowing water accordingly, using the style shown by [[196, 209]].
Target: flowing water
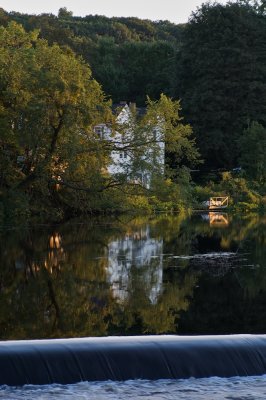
[[132, 276], [250, 388]]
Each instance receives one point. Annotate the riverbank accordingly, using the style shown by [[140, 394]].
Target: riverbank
[[38, 206]]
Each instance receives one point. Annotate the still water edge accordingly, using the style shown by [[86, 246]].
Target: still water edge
[[149, 275]]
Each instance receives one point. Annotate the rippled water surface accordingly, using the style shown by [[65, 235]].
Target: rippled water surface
[[251, 388]]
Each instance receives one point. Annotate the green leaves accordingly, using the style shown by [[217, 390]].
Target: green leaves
[[253, 153], [49, 104], [180, 146], [222, 78]]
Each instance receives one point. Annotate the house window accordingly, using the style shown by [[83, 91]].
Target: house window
[[123, 154], [21, 159], [99, 131]]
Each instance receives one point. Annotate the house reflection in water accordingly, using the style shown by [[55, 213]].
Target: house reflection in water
[[216, 219], [135, 252]]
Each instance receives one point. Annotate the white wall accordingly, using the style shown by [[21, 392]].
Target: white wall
[[122, 159]]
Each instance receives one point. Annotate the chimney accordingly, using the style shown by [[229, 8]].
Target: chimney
[[133, 107]]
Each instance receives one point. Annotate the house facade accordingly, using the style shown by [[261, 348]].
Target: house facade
[[136, 154]]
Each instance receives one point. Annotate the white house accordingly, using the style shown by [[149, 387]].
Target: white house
[[130, 143]]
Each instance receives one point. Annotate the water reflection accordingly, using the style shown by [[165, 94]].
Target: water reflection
[[216, 218], [161, 275], [52, 257], [135, 250], [56, 254]]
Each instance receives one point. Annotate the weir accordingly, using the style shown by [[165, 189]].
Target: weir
[[137, 357]]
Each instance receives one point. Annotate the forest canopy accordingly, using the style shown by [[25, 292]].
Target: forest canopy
[[60, 74]]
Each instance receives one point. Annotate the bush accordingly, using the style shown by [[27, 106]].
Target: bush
[[15, 208]]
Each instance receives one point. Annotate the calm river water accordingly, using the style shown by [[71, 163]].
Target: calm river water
[[131, 276]]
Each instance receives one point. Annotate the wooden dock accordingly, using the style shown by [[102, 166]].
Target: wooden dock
[[218, 203]]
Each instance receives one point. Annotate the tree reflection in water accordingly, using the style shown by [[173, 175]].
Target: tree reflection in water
[[133, 276]]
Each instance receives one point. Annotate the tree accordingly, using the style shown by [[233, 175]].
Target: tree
[[179, 145], [257, 5], [222, 77], [148, 69], [64, 13], [253, 151], [49, 104], [128, 56], [159, 151]]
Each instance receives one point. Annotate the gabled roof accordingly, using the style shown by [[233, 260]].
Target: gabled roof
[[118, 107]]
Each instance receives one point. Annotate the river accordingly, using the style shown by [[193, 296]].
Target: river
[[134, 276]]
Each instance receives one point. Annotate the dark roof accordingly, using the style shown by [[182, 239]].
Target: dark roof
[[117, 107]]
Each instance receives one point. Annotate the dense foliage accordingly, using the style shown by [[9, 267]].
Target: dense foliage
[[50, 104], [131, 58], [222, 78], [215, 64], [49, 107]]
